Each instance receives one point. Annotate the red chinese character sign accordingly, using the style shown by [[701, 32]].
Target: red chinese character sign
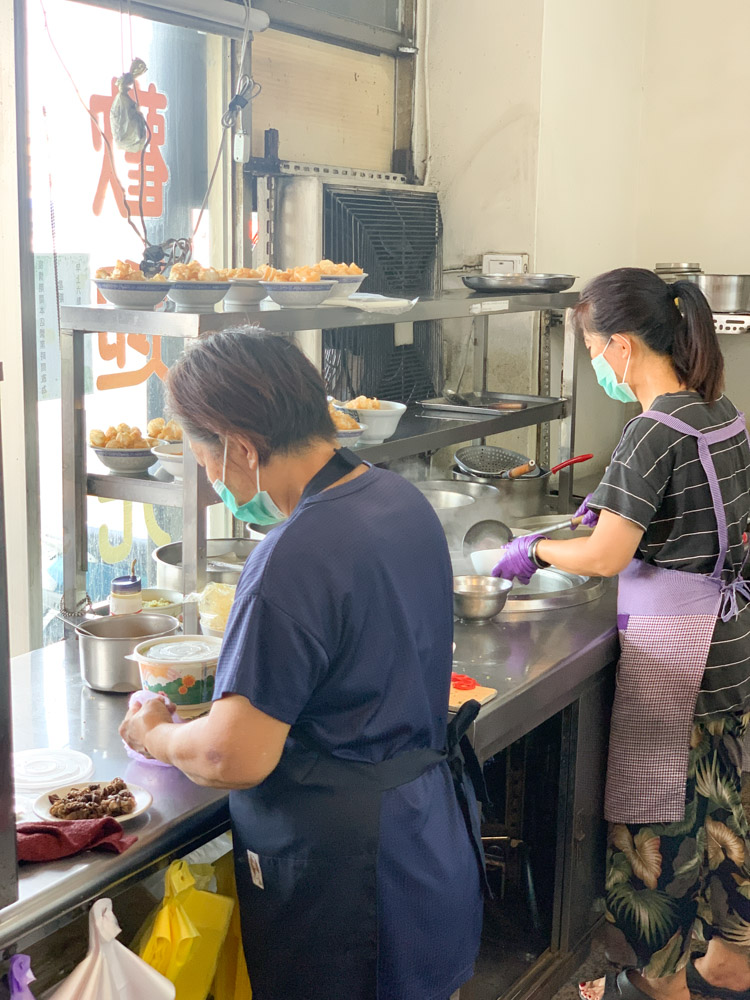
[[156, 172]]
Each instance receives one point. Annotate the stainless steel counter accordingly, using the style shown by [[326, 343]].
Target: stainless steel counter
[[51, 708], [539, 663]]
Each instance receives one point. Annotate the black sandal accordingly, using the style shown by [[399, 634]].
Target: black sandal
[[617, 986], [697, 984]]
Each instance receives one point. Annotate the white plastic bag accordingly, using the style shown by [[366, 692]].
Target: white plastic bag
[[109, 971]]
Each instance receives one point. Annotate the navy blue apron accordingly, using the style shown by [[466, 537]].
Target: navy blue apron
[[306, 850]]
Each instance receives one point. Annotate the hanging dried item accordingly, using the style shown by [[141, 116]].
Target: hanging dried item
[[129, 129]]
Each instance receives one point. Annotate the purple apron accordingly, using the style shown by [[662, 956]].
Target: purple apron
[[666, 620]]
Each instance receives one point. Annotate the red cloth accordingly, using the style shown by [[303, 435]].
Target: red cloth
[[49, 841]]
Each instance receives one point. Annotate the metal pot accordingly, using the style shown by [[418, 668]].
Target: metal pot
[[518, 498], [726, 293], [225, 551], [105, 643], [459, 504]]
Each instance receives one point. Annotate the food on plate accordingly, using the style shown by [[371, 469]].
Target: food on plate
[[234, 273], [93, 801], [342, 421], [126, 437], [363, 403], [161, 430], [194, 272], [125, 270], [122, 436], [327, 267], [157, 602]]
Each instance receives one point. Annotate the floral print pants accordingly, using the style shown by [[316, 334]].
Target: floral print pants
[[672, 886]]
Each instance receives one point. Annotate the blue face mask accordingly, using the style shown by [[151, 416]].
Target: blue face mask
[[260, 510], [607, 379]]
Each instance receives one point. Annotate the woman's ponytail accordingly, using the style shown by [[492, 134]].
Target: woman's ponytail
[[696, 353]]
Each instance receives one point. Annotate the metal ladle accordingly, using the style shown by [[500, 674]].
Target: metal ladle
[[491, 534]]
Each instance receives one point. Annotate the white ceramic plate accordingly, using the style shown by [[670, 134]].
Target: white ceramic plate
[[132, 294], [299, 293], [143, 800], [126, 460], [346, 284]]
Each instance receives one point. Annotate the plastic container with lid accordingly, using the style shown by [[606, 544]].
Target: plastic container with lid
[[125, 594], [183, 667]]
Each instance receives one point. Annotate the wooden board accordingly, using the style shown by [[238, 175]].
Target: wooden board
[[480, 694]]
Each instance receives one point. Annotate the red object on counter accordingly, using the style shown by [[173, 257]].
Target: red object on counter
[[462, 682], [46, 841]]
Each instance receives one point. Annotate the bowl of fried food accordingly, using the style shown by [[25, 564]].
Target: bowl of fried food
[[348, 277], [159, 430], [348, 430], [127, 287], [380, 415], [196, 289], [297, 286], [245, 288], [122, 449]]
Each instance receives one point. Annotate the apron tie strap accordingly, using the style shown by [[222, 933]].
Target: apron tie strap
[[464, 765], [729, 607]]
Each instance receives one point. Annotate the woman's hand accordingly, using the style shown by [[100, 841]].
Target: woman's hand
[[141, 719], [589, 516], [515, 562]]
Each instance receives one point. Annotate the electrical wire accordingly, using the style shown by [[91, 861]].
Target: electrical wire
[[246, 90], [92, 116]]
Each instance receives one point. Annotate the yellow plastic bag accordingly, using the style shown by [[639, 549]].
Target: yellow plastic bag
[[231, 981], [188, 931]]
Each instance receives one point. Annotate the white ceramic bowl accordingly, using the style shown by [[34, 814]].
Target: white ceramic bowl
[[243, 292], [349, 438], [217, 633], [299, 293], [170, 456], [197, 296], [380, 424], [346, 284], [126, 461], [175, 606], [132, 294]]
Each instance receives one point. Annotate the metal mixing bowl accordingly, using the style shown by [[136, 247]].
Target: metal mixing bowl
[[226, 552], [479, 598]]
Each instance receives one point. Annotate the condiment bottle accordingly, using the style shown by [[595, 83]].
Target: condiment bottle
[[125, 594]]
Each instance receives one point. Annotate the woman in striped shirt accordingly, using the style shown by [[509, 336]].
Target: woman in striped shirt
[[669, 517]]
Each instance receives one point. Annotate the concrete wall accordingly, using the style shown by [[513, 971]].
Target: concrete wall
[[535, 118]]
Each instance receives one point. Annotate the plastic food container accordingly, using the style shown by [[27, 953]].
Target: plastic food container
[[183, 667]]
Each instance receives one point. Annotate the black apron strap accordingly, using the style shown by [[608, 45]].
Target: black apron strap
[[465, 768]]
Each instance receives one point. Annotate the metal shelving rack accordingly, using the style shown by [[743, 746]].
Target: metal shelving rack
[[419, 432]]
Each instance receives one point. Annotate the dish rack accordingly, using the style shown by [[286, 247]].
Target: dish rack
[[421, 431]]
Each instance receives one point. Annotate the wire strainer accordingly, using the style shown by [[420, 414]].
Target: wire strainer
[[489, 460]]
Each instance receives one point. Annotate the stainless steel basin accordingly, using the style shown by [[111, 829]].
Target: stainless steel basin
[[225, 559]]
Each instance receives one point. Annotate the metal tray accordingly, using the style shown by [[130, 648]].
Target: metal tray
[[510, 283], [477, 400]]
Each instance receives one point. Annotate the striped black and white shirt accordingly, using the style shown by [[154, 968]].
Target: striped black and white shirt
[[656, 480]]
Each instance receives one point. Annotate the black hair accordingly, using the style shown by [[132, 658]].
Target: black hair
[[636, 301], [253, 383]]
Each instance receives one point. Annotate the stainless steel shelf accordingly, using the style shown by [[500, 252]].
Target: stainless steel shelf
[[454, 304], [422, 430], [145, 488]]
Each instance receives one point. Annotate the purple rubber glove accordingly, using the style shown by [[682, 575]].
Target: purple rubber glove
[[590, 517], [515, 562]]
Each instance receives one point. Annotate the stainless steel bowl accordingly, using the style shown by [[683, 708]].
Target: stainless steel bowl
[[105, 643], [726, 293], [458, 505], [479, 598], [228, 553]]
